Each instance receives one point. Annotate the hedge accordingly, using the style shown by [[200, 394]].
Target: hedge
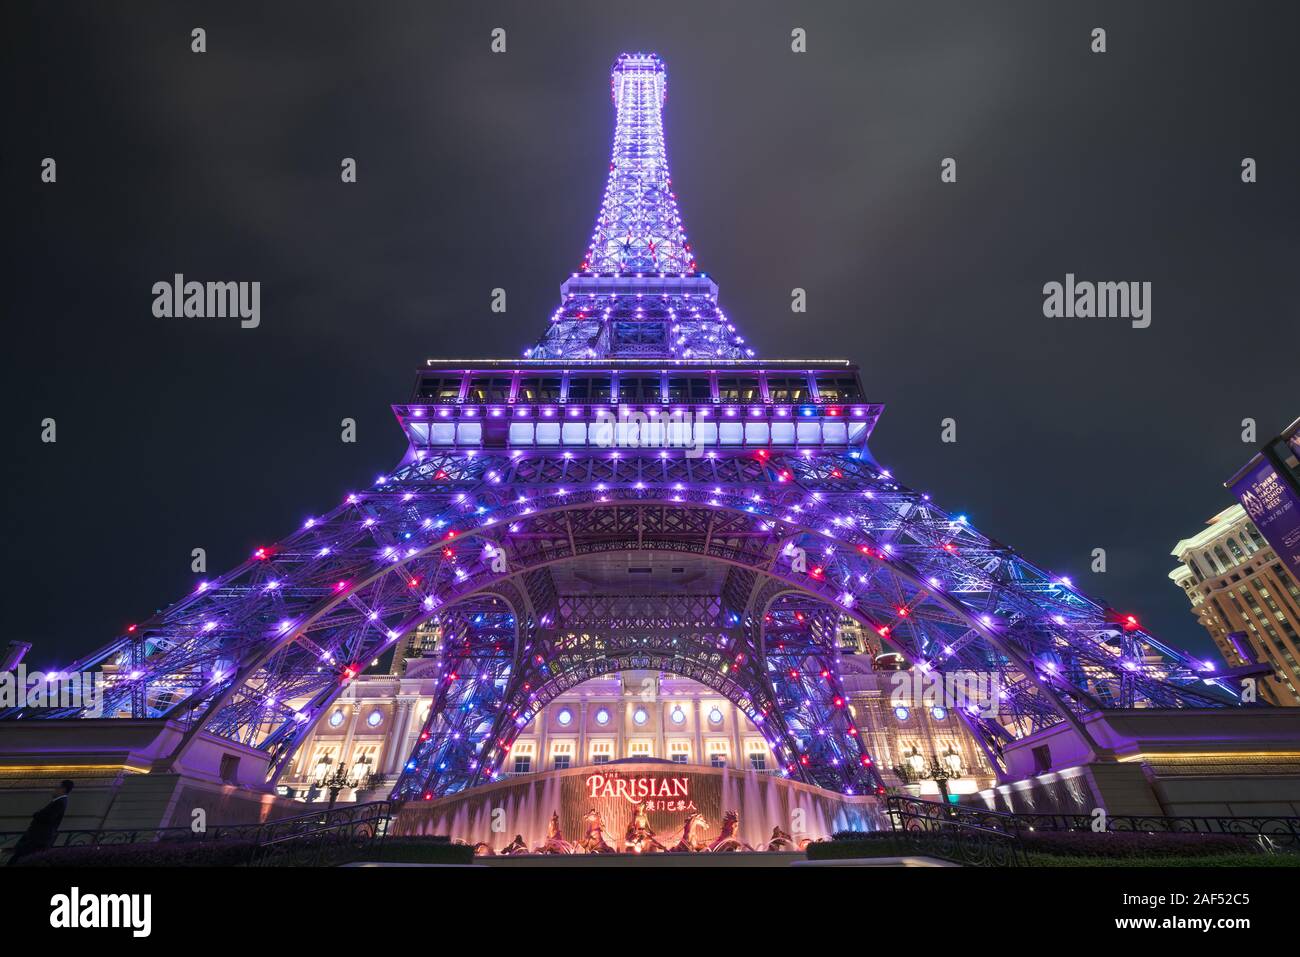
[[214, 853]]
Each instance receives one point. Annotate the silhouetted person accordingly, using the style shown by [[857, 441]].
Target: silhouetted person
[[40, 834]]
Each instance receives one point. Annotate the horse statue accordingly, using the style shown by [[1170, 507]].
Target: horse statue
[[594, 840], [728, 841], [692, 836], [555, 842], [640, 837], [515, 847], [780, 840]]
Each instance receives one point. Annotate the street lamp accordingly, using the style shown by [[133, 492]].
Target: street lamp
[[340, 779]]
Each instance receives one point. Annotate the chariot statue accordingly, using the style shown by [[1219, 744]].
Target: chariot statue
[[693, 839], [728, 841], [555, 842], [593, 842], [515, 847], [780, 840], [640, 837]]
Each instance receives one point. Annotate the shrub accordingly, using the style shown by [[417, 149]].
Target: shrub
[[851, 844], [214, 853], [436, 849], [1131, 844]]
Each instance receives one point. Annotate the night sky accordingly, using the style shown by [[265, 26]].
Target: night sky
[[479, 170]]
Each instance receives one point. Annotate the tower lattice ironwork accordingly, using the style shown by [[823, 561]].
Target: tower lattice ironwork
[[638, 435]]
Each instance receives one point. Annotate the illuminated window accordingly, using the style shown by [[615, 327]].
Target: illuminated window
[[757, 761], [561, 755], [678, 715], [539, 390], [489, 390], [564, 717], [523, 755], [679, 752], [640, 749], [602, 716], [789, 389], [336, 717], [375, 718], [602, 752], [715, 716], [640, 716], [718, 752]]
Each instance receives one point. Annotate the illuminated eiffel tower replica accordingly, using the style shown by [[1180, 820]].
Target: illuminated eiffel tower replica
[[638, 492]]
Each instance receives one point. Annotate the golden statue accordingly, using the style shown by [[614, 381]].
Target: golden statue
[[593, 842], [640, 837], [555, 842]]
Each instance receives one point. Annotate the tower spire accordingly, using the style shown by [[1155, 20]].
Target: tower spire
[[639, 228], [637, 293]]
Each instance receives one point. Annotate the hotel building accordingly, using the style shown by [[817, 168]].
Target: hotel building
[[1245, 598], [631, 715]]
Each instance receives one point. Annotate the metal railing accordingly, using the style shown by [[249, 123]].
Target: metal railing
[[927, 828], [310, 834], [1275, 832]]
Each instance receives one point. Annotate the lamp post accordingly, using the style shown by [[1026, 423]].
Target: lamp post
[[939, 769], [358, 778]]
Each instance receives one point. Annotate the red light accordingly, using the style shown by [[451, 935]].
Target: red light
[[865, 549], [428, 796], [803, 759], [413, 582], [949, 547], [448, 553], [424, 735], [762, 453], [262, 553], [883, 630], [839, 702], [836, 473], [339, 586], [130, 629], [902, 613], [440, 474], [817, 572], [1130, 623]]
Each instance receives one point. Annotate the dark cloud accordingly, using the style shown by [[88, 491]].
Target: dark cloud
[[478, 171]]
